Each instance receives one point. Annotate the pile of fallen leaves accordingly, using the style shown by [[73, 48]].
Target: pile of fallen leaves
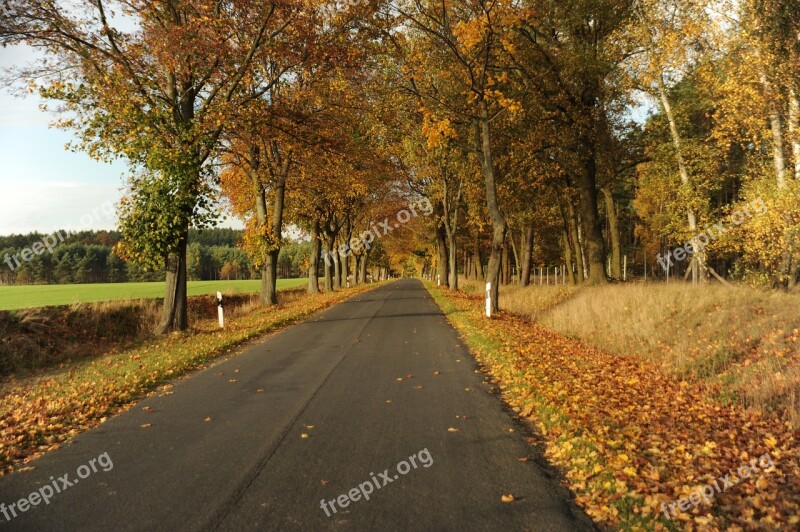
[[39, 413], [630, 437]]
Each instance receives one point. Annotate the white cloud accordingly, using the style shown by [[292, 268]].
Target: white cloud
[[48, 205]]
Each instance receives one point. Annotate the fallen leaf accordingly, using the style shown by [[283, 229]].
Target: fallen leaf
[[508, 498]]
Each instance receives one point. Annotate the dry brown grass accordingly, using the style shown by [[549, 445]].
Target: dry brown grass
[[40, 338], [743, 343]]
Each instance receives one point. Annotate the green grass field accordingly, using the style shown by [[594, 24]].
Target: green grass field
[[16, 297]]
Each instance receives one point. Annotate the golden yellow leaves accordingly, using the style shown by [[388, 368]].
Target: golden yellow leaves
[[470, 33], [513, 106], [629, 437], [437, 132]]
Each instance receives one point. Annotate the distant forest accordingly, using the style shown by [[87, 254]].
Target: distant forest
[[87, 257]]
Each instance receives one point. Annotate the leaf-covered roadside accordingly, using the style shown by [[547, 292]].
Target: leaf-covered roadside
[[628, 436], [40, 413]]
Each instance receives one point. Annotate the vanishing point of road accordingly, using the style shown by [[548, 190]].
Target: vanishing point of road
[[318, 412]]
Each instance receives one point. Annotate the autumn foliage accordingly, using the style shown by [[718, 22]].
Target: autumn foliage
[[627, 436]]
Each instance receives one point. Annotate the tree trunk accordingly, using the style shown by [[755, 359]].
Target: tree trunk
[[476, 257], [337, 269], [270, 291], [595, 252], [577, 244], [271, 295], [327, 266], [794, 129], [313, 269], [613, 229], [527, 256], [260, 195], [506, 262], [452, 261], [441, 248], [778, 159], [450, 207], [356, 269], [698, 263], [517, 267], [568, 255], [346, 258], [498, 221], [174, 316], [364, 260]]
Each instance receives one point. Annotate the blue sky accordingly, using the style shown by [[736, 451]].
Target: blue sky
[[44, 186]]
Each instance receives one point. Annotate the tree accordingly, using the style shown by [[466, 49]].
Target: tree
[[455, 70], [158, 94]]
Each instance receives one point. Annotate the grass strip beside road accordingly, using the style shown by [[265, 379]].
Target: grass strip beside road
[[628, 436], [48, 295], [39, 413]]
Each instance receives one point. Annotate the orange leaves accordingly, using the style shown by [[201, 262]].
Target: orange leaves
[[629, 437], [437, 132], [470, 33]]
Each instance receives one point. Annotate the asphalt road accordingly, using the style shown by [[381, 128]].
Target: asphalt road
[[340, 402]]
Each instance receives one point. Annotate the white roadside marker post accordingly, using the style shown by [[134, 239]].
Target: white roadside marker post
[[488, 300], [220, 312], [625, 268]]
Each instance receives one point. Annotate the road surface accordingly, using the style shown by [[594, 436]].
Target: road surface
[[376, 397]]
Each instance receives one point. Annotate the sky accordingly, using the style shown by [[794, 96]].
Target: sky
[[43, 186]]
